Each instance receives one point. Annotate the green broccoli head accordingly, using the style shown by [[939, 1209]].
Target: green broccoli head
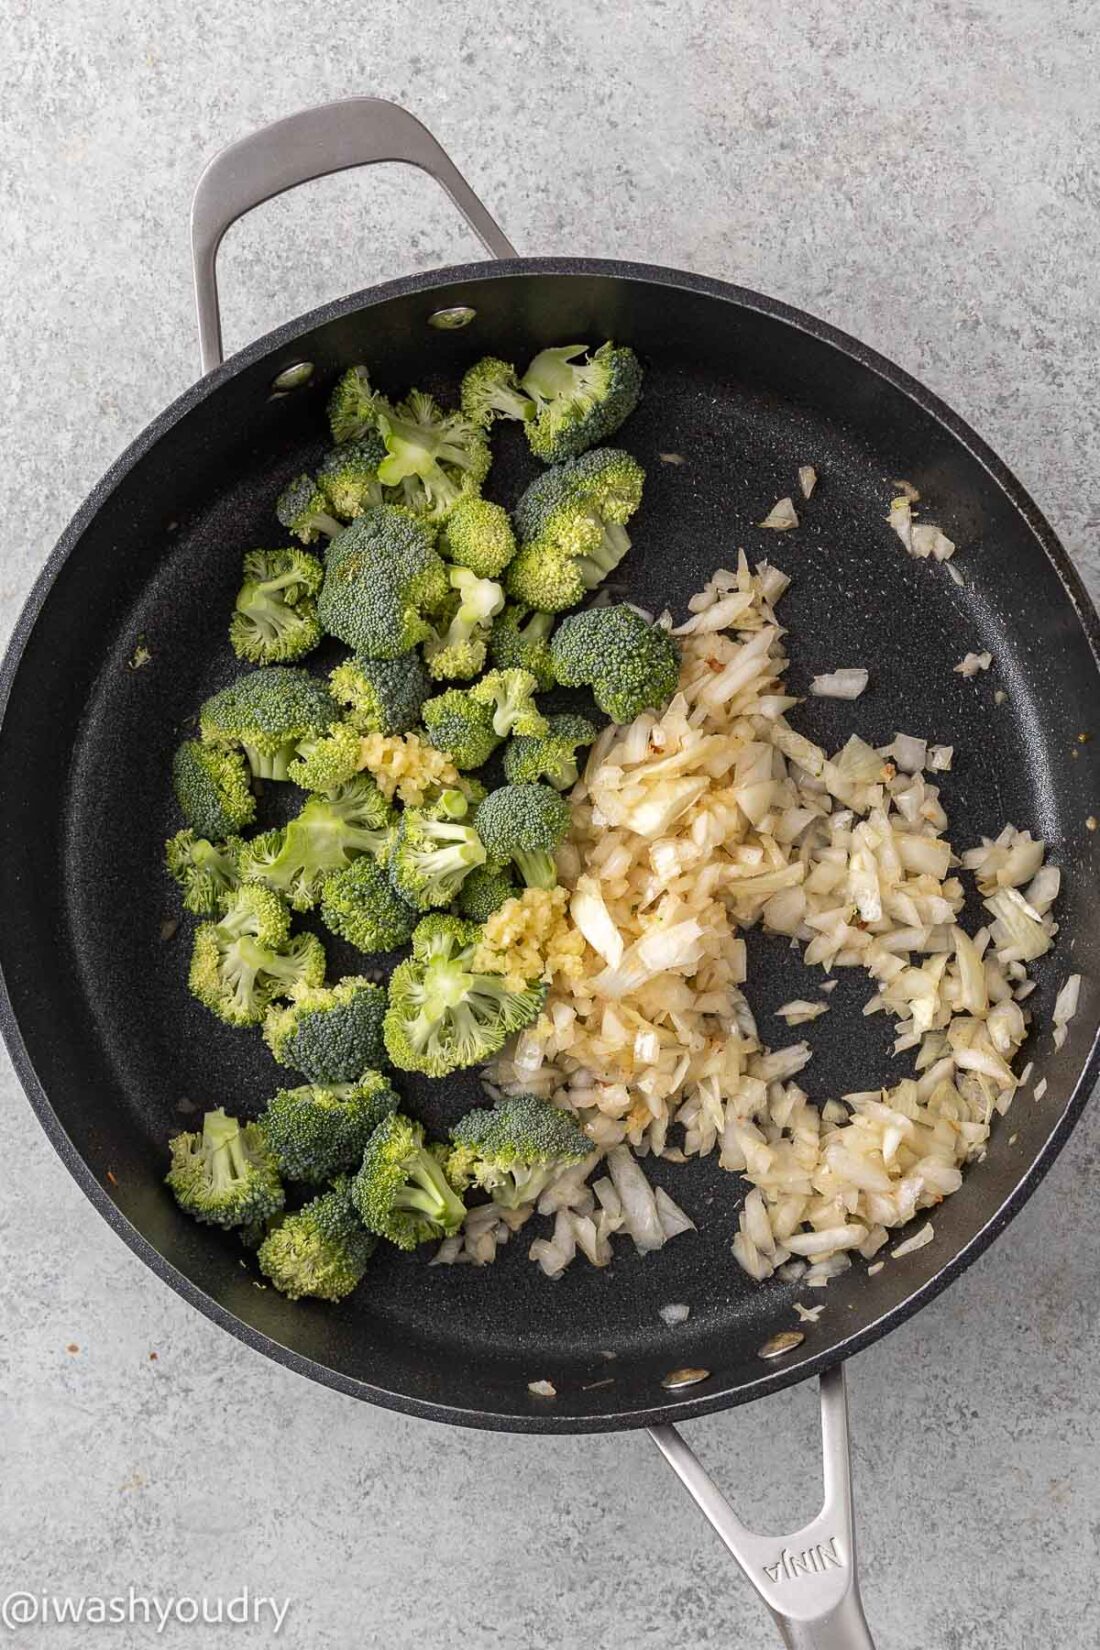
[[433, 458], [442, 1015], [329, 1033], [552, 757], [478, 535], [320, 1250], [354, 407], [485, 891], [509, 694], [320, 1130], [275, 615], [383, 583], [360, 905], [457, 653], [246, 959], [516, 1149], [579, 402], [226, 1175], [348, 476], [431, 857], [491, 390], [571, 526], [269, 714], [205, 871], [303, 510], [213, 789], [520, 640], [381, 695], [462, 726], [401, 1192], [630, 664], [327, 763], [326, 835], [524, 824]]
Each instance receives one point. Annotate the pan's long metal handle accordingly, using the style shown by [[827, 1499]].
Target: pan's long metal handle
[[358, 131], [808, 1580]]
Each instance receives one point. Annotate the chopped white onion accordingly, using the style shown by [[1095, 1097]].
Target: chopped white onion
[[781, 516], [917, 1241], [1065, 1007], [971, 663], [675, 1313], [807, 479], [840, 684]]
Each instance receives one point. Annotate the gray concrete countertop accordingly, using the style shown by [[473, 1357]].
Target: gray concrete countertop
[[922, 173]]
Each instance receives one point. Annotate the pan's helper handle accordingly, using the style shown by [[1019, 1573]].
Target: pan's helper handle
[[808, 1580], [358, 131]]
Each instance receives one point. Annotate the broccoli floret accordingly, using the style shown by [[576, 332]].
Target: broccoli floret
[[491, 390], [571, 525], [327, 835], [457, 723], [485, 891], [382, 695], [225, 1176], [515, 1150], [458, 652], [269, 713], [524, 824], [348, 476], [442, 1015], [478, 535], [302, 509], [456, 801], [213, 790], [320, 1130], [327, 763], [205, 871], [509, 693], [520, 640], [360, 905], [383, 583], [320, 1250], [431, 857], [241, 963], [275, 616], [579, 402], [330, 1033], [553, 757], [354, 407], [401, 1192], [629, 664], [433, 457]]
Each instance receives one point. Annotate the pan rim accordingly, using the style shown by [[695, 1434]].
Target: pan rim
[[669, 1408]]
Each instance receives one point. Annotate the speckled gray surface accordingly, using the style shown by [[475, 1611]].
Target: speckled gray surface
[[920, 173]]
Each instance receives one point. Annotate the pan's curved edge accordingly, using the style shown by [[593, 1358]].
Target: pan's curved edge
[[543, 1419]]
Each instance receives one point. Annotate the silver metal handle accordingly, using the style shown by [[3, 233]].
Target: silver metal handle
[[359, 131], [808, 1580]]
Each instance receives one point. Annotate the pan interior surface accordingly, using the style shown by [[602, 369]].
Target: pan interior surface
[[738, 396]]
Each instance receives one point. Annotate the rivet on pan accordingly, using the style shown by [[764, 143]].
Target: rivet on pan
[[685, 1377], [449, 320], [293, 377], [785, 1341]]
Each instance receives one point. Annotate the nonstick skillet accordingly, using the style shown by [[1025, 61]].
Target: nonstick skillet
[[113, 1053]]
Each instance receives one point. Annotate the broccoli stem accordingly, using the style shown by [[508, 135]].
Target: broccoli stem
[[270, 764], [595, 567], [430, 1194], [536, 867]]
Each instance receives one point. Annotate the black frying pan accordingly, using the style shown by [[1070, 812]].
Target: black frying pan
[[111, 1049]]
